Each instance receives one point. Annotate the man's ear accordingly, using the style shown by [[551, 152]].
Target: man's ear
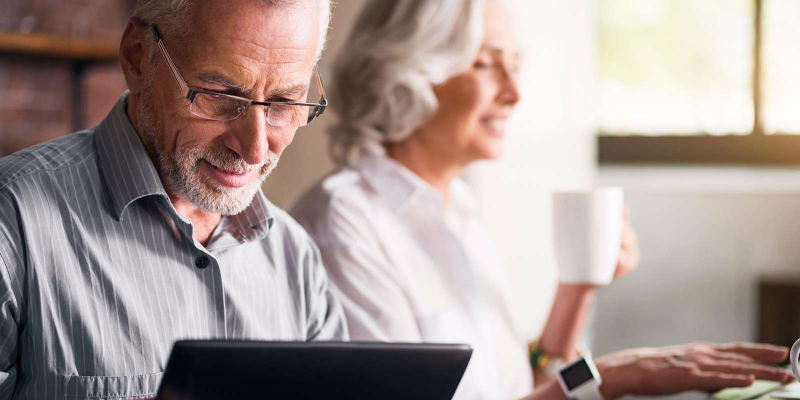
[[133, 55]]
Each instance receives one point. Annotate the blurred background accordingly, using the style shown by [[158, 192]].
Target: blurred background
[[692, 106]]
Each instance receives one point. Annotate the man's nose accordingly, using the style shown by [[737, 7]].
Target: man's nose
[[248, 136]]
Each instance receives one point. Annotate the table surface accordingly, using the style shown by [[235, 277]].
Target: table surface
[[758, 391]]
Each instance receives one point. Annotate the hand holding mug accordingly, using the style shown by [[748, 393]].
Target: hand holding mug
[[594, 240]]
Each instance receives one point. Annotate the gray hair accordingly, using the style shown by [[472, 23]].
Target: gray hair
[[172, 17], [382, 87]]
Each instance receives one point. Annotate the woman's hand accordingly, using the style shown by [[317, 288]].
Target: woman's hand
[[697, 366], [629, 253]]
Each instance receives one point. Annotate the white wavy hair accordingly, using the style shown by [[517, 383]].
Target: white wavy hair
[[382, 86], [174, 17]]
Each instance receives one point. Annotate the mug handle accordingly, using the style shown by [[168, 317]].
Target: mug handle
[[793, 356]]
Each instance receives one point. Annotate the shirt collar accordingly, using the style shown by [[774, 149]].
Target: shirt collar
[[400, 186], [130, 175], [250, 225], [128, 171]]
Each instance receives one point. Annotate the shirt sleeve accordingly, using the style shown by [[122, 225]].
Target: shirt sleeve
[[326, 317], [9, 334], [9, 307], [373, 299]]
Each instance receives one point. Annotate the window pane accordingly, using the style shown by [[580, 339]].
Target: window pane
[[781, 70], [676, 67]]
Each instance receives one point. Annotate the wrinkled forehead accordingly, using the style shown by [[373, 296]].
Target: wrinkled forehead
[[256, 32]]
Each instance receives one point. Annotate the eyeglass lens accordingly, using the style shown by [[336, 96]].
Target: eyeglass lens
[[221, 107]]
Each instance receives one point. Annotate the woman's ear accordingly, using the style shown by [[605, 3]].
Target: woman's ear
[[133, 55]]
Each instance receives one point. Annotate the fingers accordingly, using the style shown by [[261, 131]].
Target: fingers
[[765, 353], [710, 381], [628, 261], [629, 235], [728, 356], [629, 253], [759, 371], [702, 366], [630, 240]]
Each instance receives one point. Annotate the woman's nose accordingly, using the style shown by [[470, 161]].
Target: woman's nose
[[509, 87]]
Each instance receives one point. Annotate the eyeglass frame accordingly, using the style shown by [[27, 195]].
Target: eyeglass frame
[[190, 93]]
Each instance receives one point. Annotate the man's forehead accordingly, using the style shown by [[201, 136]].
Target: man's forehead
[[239, 46], [288, 29]]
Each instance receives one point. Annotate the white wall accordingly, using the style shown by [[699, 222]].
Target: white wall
[[724, 179], [707, 235], [550, 145]]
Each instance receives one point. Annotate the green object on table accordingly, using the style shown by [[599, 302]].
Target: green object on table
[[756, 391]]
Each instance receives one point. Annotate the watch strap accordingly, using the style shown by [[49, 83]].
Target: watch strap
[[589, 392], [547, 363]]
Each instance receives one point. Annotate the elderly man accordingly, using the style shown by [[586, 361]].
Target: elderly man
[[151, 227]]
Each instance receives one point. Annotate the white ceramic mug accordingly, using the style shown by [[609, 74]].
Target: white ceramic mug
[[587, 228], [793, 356]]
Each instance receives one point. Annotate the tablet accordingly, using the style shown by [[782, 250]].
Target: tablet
[[219, 369]]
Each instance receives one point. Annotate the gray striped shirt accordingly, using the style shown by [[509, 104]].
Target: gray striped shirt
[[99, 274]]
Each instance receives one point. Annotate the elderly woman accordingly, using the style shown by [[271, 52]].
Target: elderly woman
[[424, 89]]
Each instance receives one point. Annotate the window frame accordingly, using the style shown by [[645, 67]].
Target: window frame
[[755, 148]]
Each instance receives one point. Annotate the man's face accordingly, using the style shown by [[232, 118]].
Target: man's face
[[265, 53]]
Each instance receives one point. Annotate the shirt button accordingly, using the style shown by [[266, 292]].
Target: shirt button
[[201, 262]]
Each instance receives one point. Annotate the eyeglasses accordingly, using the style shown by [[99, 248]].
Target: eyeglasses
[[225, 107]]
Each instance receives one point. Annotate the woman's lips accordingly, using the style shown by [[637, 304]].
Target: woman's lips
[[227, 178], [495, 126]]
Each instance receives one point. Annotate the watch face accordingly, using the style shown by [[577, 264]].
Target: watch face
[[576, 374]]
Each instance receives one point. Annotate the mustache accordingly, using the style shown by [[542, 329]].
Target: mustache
[[229, 161]]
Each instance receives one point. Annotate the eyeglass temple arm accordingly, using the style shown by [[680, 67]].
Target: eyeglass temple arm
[[172, 68], [322, 99]]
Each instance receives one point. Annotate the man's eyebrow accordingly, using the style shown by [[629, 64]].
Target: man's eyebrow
[[216, 78], [289, 91]]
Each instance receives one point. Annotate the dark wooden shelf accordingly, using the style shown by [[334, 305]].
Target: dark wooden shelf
[[58, 47]]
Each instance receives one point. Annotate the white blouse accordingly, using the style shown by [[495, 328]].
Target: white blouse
[[408, 268]]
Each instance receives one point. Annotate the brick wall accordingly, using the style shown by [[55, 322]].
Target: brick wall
[[35, 98], [102, 84], [74, 18], [37, 93]]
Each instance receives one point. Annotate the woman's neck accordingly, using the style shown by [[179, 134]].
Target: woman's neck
[[435, 168]]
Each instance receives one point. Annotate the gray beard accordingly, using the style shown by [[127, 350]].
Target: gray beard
[[181, 171]]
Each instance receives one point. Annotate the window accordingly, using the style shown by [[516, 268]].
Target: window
[[781, 67], [699, 81]]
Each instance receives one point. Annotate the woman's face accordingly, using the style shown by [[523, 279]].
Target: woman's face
[[474, 106]]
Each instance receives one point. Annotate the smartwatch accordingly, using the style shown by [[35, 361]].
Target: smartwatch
[[548, 363], [580, 380]]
